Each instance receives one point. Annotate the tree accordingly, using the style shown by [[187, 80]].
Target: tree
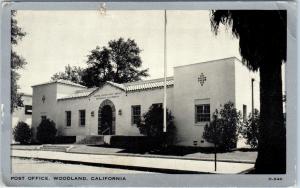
[[22, 133], [119, 62], [213, 131], [46, 132], [250, 129], [223, 129], [100, 68], [263, 43], [152, 124], [72, 74], [17, 62]]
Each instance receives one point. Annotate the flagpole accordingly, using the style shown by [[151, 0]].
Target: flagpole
[[165, 73]]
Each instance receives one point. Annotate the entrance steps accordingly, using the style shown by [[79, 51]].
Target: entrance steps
[[90, 140], [117, 140], [54, 148]]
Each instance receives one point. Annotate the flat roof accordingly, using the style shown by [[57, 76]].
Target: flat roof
[[66, 82], [210, 61]]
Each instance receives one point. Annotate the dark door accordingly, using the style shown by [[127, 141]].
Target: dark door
[[106, 120]]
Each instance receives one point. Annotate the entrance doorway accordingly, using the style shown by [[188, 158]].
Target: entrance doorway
[[106, 118]]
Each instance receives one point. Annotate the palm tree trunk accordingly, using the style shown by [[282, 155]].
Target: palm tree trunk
[[271, 157]]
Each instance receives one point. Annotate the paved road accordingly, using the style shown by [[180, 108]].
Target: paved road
[[145, 162], [39, 166]]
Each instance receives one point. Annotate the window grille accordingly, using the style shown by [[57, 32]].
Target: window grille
[[135, 114], [202, 113]]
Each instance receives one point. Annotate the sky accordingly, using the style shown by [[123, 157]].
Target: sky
[[57, 38]]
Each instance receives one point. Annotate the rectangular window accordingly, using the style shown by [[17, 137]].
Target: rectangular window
[[244, 112], [135, 114], [82, 118], [28, 109], [158, 105], [202, 113], [68, 118]]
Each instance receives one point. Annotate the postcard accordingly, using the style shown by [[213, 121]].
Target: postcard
[[148, 94]]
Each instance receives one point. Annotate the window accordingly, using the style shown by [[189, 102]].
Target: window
[[135, 114], [82, 118], [68, 118], [244, 112], [202, 113], [158, 105], [28, 109]]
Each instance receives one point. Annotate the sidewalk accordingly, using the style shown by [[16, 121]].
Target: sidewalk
[[235, 156], [137, 162]]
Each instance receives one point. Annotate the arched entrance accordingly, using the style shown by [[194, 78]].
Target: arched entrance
[[106, 118]]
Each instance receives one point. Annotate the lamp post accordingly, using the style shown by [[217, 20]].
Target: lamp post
[[215, 140], [252, 82]]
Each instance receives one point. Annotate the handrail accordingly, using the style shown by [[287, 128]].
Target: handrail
[[107, 129]]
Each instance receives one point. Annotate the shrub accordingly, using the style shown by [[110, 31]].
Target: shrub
[[223, 129], [46, 132], [152, 124], [250, 129], [22, 133]]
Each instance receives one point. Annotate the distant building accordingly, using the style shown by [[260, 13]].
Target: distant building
[[23, 113], [193, 94]]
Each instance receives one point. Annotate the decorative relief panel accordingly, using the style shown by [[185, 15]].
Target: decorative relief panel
[[202, 79]]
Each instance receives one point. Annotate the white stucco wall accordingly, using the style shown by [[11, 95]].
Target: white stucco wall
[[49, 107], [40, 108], [65, 90], [122, 102], [217, 90], [73, 105], [144, 98]]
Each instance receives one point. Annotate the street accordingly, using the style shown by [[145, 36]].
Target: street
[[20, 165]]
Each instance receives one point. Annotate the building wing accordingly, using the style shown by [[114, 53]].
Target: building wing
[[127, 87]]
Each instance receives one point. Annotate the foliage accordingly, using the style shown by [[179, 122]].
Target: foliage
[[214, 130], [16, 97], [99, 69], [16, 32], [46, 132], [72, 74], [17, 62], [22, 133], [223, 129], [261, 33], [250, 129], [119, 62], [263, 42], [152, 124]]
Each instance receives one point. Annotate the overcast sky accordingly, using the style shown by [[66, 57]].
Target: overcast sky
[[57, 38]]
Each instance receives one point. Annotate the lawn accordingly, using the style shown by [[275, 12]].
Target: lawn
[[178, 152]]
